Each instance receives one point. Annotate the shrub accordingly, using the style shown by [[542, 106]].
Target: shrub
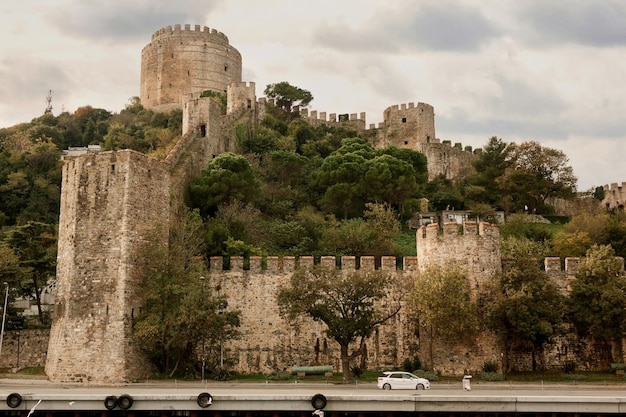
[[279, 376], [357, 371], [574, 377], [490, 367], [426, 374], [492, 376], [569, 367], [410, 365], [221, 374]]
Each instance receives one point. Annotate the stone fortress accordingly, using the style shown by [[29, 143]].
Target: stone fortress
[[111, 200]]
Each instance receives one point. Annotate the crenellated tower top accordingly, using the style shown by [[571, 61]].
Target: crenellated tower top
[[180, 61], [473, 246]]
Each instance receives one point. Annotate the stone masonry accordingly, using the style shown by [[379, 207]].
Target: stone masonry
[[180, 61], [110, 201]]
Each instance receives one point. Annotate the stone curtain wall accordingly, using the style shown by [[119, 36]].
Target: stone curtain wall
[[409, 126], [270, 343], [24, 349], [109, 203], [180, 61]]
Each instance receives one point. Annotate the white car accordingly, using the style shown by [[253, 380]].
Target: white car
[[402, 380]]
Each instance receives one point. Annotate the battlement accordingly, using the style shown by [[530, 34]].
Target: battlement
[[244, 84], [614, 195], [569, 265], [410, 106], [186, 29], [614, 187], [332, 117], [285, 264], [453, 229]]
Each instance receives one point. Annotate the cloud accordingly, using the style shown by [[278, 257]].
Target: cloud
[[27, 81], [119, 19], [584, 22], [411, 26]]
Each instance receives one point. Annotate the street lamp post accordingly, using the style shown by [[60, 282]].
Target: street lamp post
[[4, 313], [202, 279]]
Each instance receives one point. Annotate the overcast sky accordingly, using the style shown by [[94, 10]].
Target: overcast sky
[[548, 71]]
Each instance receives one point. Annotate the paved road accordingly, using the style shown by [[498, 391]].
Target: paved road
[[442, 397], [229, 388]]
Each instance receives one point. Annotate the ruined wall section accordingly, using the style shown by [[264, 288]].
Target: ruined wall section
[[241, 95], [270, 343], [614, 196], [109, 203], [452, 162], [180, 61]]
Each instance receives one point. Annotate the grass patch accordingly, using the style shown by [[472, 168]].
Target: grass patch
[[406, 243], [35, 370]]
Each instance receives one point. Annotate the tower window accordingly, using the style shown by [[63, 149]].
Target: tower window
[[404, 120], [225, 67], [203, 130]]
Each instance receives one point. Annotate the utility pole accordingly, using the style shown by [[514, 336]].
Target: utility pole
[[4, 313]]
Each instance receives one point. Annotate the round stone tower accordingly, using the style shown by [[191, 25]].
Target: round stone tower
[[181, 61]]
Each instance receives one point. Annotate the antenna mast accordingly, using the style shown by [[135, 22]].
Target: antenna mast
[[48, 109]]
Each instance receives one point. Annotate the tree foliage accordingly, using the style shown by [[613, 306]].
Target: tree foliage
[[535, 173], [597, 301], [182, 314], [356, 174], [443, 307], [286, 96], [525, 307], [35, 245], [347, 303], [228, 178]]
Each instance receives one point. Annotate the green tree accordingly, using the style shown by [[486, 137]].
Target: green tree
[[534, 174], [390, 180], [35, 244], [286, 96], [341, 176], [181, 311], [355, 174], [614, 233], [597, 301], [489, 165], [443, 307], [348, 303], [443, 195], [525, 307], [372, 235], [13, 273], [228, 177], [522, 247], [571, 244]]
